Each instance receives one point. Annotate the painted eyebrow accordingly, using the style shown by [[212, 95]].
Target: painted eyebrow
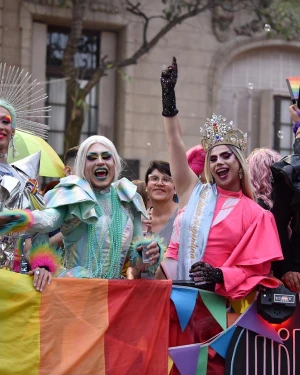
[[226, 152], [101, 153], [222, 153], [8, 117]]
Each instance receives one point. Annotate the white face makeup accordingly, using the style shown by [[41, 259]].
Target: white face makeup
[[99, 166], [224, 167]]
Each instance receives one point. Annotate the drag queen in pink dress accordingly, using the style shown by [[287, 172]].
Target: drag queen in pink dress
[[221, 235]]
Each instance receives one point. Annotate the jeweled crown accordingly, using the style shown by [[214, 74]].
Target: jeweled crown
[[217, 131]]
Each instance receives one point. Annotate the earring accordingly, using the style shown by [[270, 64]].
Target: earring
[[175, 198], [241, 173], [12, 145]]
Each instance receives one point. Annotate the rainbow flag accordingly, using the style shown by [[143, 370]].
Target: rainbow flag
[[83, 327], [293, 84]]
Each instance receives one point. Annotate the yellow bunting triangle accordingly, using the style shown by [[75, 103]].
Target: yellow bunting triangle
[[239, 306], [170, 364]]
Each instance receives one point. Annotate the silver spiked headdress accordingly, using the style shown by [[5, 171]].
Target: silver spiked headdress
[[18, 93]]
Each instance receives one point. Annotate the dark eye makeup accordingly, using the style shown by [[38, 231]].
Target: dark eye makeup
[[224, 155], [106, 155], [6, 120]]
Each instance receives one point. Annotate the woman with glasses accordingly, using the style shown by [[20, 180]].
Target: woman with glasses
[[161, 191], [98, 214]]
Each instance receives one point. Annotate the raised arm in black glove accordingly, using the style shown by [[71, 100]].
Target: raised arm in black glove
[[168, 81], [204, 272]]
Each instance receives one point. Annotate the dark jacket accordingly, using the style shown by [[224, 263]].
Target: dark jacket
[[286, 210]]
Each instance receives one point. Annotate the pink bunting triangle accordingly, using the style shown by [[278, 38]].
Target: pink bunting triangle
[[186, 358], [254, 322]]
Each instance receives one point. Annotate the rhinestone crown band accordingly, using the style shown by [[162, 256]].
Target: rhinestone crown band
[[217, 131]]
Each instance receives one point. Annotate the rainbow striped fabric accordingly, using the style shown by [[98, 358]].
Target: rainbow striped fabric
[[79, 327]]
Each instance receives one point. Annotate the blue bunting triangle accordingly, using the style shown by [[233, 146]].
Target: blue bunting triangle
[[220, 345], [184, 300]]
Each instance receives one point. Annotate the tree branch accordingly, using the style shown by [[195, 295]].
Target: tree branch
[[136, 10], [101, 72], [147, 46]]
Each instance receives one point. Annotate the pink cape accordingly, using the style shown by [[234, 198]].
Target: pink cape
[[243, 245]]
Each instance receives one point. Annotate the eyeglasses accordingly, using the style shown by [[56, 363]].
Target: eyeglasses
[[166, 180], [224, 155]]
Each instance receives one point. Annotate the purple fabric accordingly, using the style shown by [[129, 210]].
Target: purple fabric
[[186, 358], [251, 320], [296, 126]]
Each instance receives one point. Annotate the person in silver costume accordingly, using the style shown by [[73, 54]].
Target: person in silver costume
[[18, 182]]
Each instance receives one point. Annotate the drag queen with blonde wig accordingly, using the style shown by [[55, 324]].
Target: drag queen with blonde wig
[[221, 236], [224, 236]]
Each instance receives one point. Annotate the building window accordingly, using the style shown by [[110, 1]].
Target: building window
[[283, 135], [131, 169], [86, 60]]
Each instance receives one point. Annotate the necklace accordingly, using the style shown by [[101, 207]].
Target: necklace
[[95, 257], [2, 156]]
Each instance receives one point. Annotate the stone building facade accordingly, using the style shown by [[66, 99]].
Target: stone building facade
[[242, 78]]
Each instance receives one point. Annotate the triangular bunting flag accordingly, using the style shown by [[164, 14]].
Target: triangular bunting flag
[[184, 300], [185, 358], [170, 364], [216, 305], [251, 320], [202, 360], [220, 345]]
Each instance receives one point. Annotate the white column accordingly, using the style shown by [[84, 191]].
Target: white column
[[38, 57], [266, 133], [39, 51], [249, 126]]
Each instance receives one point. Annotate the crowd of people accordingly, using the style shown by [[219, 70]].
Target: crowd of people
[[209, 215]]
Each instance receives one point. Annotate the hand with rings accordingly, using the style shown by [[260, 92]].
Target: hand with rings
[[41, 277]]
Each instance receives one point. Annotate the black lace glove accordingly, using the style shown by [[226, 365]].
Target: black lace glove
[[168, 81], [204, 272]]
